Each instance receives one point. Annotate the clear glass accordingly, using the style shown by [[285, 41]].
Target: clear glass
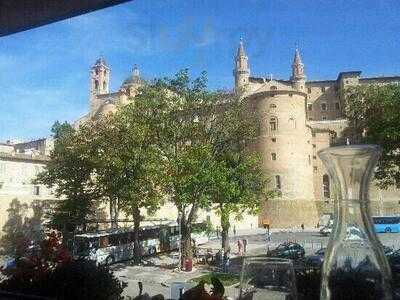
[[264, 277], [355, 266]]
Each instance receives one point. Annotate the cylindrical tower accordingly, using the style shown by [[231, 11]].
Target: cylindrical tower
[[285, 146]]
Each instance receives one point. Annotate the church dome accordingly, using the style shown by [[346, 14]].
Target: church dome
[[134, 78]]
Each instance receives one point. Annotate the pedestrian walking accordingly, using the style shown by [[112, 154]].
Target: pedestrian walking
[[268, 236], [234, 230], [302, 226], [240, 246], [226, 261], [219, 259], [244, 245]]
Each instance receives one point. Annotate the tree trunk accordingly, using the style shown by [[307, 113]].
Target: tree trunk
[[186, 242], [116, 212], [137, 253], [225, 225], [112, 212]]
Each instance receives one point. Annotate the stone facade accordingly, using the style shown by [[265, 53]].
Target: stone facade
[[300, 118], [19, 165]]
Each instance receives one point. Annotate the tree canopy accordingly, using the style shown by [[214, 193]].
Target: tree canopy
[[70, 173], [174, 141], [374, 115]]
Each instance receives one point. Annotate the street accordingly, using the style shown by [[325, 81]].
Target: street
[[158, 273]]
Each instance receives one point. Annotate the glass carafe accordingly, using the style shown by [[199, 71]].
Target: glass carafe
[[355, 266]]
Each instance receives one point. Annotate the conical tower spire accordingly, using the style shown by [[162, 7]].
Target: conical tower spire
[[240, 51], [297, 67], [242, 70], [297, 57]]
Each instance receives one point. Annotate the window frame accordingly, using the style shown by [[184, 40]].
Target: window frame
[[273, 156], [36, 190], [278, 182], [273, 123]]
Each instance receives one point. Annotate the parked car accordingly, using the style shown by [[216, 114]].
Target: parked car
[[388, 251], [326, 230], [288, 250], [394, 261], [315, 260]]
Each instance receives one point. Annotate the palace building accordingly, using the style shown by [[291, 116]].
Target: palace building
[[300, 117]]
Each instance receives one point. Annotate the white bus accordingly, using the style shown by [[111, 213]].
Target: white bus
[[116, 245]]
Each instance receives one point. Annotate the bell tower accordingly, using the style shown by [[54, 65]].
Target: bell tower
[[298, 77], [242, 70], [99, 82]]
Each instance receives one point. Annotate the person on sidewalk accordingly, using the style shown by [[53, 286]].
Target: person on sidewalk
[[302, 226], [244, 245], [240, 247], [268, 236], [226, 261]]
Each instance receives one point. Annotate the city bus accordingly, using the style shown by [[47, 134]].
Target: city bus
[[387, 224], [110, 246]]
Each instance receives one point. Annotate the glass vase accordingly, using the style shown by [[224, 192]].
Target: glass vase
[[355, 266]]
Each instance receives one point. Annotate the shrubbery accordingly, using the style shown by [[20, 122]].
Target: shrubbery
[[51, 272]]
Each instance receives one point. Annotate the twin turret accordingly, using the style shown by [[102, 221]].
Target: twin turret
[[298, 77], [242, 71]]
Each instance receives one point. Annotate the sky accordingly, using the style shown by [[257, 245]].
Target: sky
[[44, 72]]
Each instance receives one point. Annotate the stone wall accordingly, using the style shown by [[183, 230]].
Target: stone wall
[[289, 213], [293, 213]]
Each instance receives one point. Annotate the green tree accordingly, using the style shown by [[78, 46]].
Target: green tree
[[203, 138], [238, 184], [70, 173], [126, 163], [177, 111], [374, 118], [110, 159]]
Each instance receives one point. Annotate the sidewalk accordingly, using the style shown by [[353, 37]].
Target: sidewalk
[[262, 231], [273, 230]]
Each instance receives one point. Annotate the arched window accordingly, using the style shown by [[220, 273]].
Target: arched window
[[104, 85], [292, 122], [97, 71], [273, 123], [96, 85], [273, 156], [273, 88], [326, 186], [278, 184], [105, 72]]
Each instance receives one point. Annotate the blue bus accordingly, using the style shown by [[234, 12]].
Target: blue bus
[[387, 224]]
